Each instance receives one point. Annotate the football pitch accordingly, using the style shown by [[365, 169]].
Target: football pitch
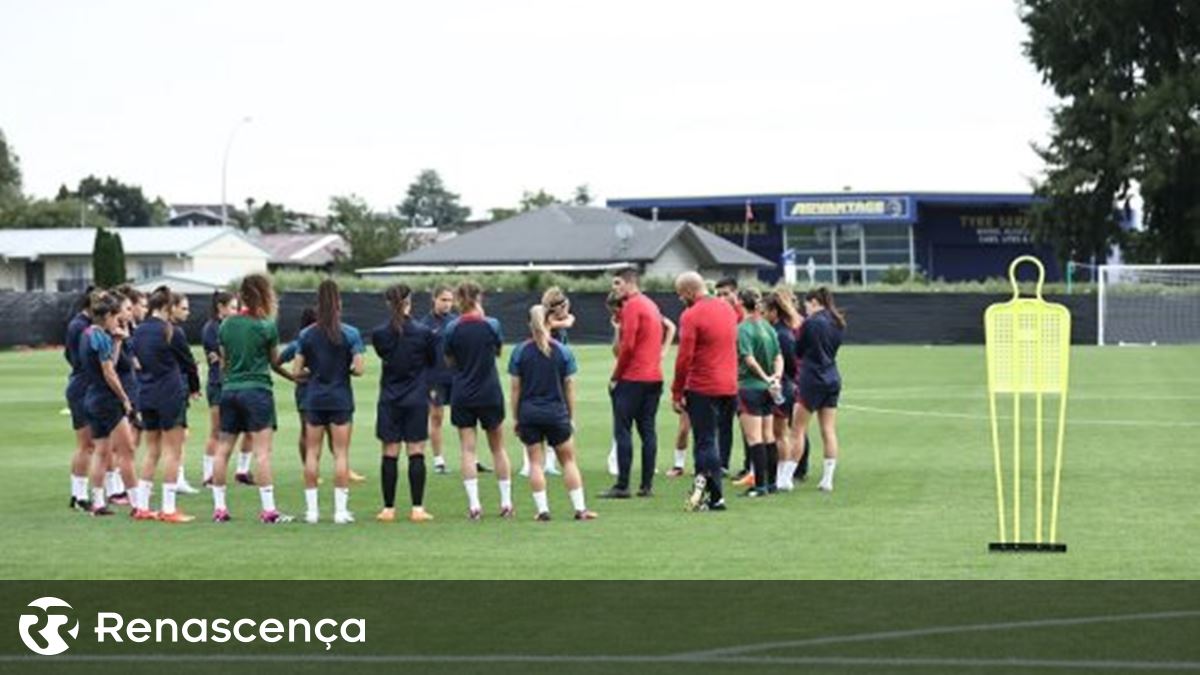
[[914, 496]]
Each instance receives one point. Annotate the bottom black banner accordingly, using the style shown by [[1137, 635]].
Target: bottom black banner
[[598, 627]]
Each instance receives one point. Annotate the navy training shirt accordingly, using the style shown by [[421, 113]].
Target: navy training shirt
[[787, 347], [286, 354], [76, 387], [328, 364], [126, 370], [94, 348], [543, 388], [167, 370], [441, 373], [472, 342], [818, 346], [209, 339], [408, 353]]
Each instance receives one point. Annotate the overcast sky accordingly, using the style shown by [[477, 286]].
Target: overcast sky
[[636, 98]]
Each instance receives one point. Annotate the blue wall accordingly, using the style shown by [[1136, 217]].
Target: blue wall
[[957, 237]]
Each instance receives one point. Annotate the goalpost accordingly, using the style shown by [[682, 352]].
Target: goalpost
[[1148, 304]]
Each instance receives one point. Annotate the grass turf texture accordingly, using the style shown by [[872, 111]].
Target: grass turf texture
[[914, 492]]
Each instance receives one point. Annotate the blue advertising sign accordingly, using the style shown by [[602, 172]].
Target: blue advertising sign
[[852, 209]]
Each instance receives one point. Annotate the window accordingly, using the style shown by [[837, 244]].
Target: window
[[849, 253], [78, 270], [149, 269]]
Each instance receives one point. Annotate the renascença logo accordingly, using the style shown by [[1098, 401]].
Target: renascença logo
[[51, 633]]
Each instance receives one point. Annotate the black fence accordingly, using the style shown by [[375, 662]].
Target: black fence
[[874, 318]]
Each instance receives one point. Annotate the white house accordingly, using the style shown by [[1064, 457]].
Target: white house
[[193, 258]]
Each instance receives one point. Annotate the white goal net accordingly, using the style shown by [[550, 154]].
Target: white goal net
[[1149, 304]]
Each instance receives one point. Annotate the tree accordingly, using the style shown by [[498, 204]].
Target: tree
[[1130, 122], [582, 196], [51, 214], [429, 204], [269, 218], [10, 176], [373, 237], [123, 204], [108, 259], [531, 201]]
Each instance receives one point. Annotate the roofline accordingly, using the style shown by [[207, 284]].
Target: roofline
[[317, 245], [531, 267], [226, 229], [762, 263]]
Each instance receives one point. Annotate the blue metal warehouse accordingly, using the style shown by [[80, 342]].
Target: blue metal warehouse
[[855, 238]]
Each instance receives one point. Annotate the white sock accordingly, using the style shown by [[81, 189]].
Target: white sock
[[310, 499], [525, 463], [79, 487], [168, 497], [551, 464], [577, 499], [144, 488], [539, 500], [208, 462], [219, 498], [243, 465], [179, 477], [472, 487], [97, 497], [267, 495], [439, 461], [505, 493], [341, 500], [613, 466], [680, 458], [787, 470], [827, 474], [110, 485], [118, 482]]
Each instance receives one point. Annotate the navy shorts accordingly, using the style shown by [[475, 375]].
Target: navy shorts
[[164, 417], [755, 402], [212, 393], [553, 435], [79, 417], [326, 418], [467, 416], [815, 396], [439, 394], [785, 409], [103, 417], [247, 410], [401, 423]]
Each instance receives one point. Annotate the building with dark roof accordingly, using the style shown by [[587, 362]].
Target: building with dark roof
[[581, 239], [318, 251]]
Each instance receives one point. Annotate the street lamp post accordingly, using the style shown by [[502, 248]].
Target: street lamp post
[[225, 168]]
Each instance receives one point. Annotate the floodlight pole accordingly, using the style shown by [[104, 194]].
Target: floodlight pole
[[225, 168]]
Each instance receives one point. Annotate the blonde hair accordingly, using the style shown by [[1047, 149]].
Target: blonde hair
[[538, 329], [553, 298]]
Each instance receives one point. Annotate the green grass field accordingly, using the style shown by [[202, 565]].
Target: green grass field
[[914, 496]]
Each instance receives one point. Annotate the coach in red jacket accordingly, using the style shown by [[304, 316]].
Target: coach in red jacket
[[637, 383], [706, 383]]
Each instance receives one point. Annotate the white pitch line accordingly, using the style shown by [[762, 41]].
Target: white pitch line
[[969, 416], [748, 661], [940, 630]]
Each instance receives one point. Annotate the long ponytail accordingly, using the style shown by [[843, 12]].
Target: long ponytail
[[783, 303], [538, 329], [329, 310], [397, 298], [824, 297]]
